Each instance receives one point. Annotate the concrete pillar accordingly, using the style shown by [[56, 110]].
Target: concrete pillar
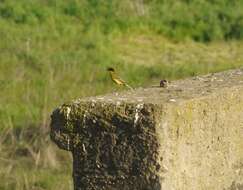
[[188, 136]]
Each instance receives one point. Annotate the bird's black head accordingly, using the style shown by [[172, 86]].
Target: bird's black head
[[110, 69]]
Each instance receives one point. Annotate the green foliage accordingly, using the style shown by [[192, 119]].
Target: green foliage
[[200, 20], [23, 12]]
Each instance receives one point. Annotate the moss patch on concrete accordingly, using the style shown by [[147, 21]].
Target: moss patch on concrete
[[113, 146]]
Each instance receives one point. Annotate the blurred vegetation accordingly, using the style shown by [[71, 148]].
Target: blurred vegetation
[[200, 20], [28, 161], [52, 51]]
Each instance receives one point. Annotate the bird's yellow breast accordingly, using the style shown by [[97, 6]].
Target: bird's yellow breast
[[116, 79]]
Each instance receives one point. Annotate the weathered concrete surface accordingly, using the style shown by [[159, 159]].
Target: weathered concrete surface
[[186, 137]]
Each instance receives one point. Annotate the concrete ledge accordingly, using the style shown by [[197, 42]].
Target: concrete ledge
[[188, 136]]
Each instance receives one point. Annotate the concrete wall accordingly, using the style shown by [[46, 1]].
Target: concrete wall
[[188, 136]]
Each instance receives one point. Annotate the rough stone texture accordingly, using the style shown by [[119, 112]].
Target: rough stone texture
[[188, 136]]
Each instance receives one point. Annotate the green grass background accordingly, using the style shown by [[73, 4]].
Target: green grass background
[[52, 51]]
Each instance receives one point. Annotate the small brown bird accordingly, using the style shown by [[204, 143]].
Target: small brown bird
[[163, 83], [116, 79]]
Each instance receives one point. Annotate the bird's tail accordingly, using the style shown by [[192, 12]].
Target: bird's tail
[[128, 86]]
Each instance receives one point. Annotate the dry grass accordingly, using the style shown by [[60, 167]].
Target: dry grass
[[151, 50], [29, 161]]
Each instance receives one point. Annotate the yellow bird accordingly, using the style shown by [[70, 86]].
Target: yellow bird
[[116, 79]]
